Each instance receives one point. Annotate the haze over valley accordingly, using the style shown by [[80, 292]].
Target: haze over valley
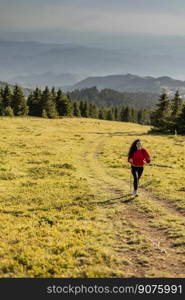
[[66, 64]]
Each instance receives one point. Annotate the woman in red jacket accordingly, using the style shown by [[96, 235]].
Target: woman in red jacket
[[137, 157]]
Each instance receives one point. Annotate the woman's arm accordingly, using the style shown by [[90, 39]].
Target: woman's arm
[[147, 156], [130, 159]]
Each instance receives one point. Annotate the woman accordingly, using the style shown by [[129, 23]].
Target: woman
[[137, 157]]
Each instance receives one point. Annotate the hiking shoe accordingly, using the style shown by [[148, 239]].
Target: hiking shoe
[[135, 193]]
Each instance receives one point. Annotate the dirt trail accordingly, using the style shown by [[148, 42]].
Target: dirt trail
[[161, 257], [163, 203]]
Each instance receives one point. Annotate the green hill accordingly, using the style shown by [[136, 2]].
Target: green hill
[[65, 204]]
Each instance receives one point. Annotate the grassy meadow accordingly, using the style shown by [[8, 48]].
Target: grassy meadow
[[65, 204]]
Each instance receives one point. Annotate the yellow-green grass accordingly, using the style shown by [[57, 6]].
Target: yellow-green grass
[[60, 209], [164, 177]]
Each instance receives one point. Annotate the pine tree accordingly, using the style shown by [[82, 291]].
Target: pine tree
[[53, 93], [93, 112], [141, 116], [116, 114], [134, 117], [101, 113], [144, 117], [113, 113], [48, 105], [86, 109], [110, 116], [177, 105], [126, 114], [1, 103], [122, 114], [34, 103], [70, 106], [44, 114], [19, 105], [76, 110], [8, 111], [161, 116], [7, 97], [81, 107], [180, 122], [64, 104]]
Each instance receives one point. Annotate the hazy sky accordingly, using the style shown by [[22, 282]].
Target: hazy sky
[[104, 16]]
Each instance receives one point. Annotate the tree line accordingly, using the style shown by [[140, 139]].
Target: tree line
[[51, 103], [169, 115], [109, 97]]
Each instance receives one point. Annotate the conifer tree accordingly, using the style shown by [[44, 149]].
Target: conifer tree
[[101, 113], [70, 106], [110, 116], [48, 105], [180, 122], [177, 105], [1, 103], [76, 110], [95, 110], [113, 113], [63, 104], [122, 113], [146, 117], [8, 111], [133, 114], [116, 114], [81, 107], [86, 109], [53, 93], [19, 105], [34, 103], [140, 116], [93, 113], [7, 96], [44, 114], [126, 114], [161, 116]]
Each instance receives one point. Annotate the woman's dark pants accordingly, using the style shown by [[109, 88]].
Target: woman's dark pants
[[136, 172]]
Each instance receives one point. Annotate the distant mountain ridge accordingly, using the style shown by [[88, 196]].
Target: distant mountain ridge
[[132, 83], [20, 61]]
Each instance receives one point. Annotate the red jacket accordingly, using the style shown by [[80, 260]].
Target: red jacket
[[139, 158]]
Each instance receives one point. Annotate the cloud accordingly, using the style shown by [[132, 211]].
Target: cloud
[[138, 16]]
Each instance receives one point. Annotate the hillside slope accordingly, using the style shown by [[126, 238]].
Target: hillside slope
[[132, 83], [65, 204]]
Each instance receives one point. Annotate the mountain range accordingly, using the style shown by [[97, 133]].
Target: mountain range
[[111, 64], [33, 63], [132, 83], [20, 61]]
